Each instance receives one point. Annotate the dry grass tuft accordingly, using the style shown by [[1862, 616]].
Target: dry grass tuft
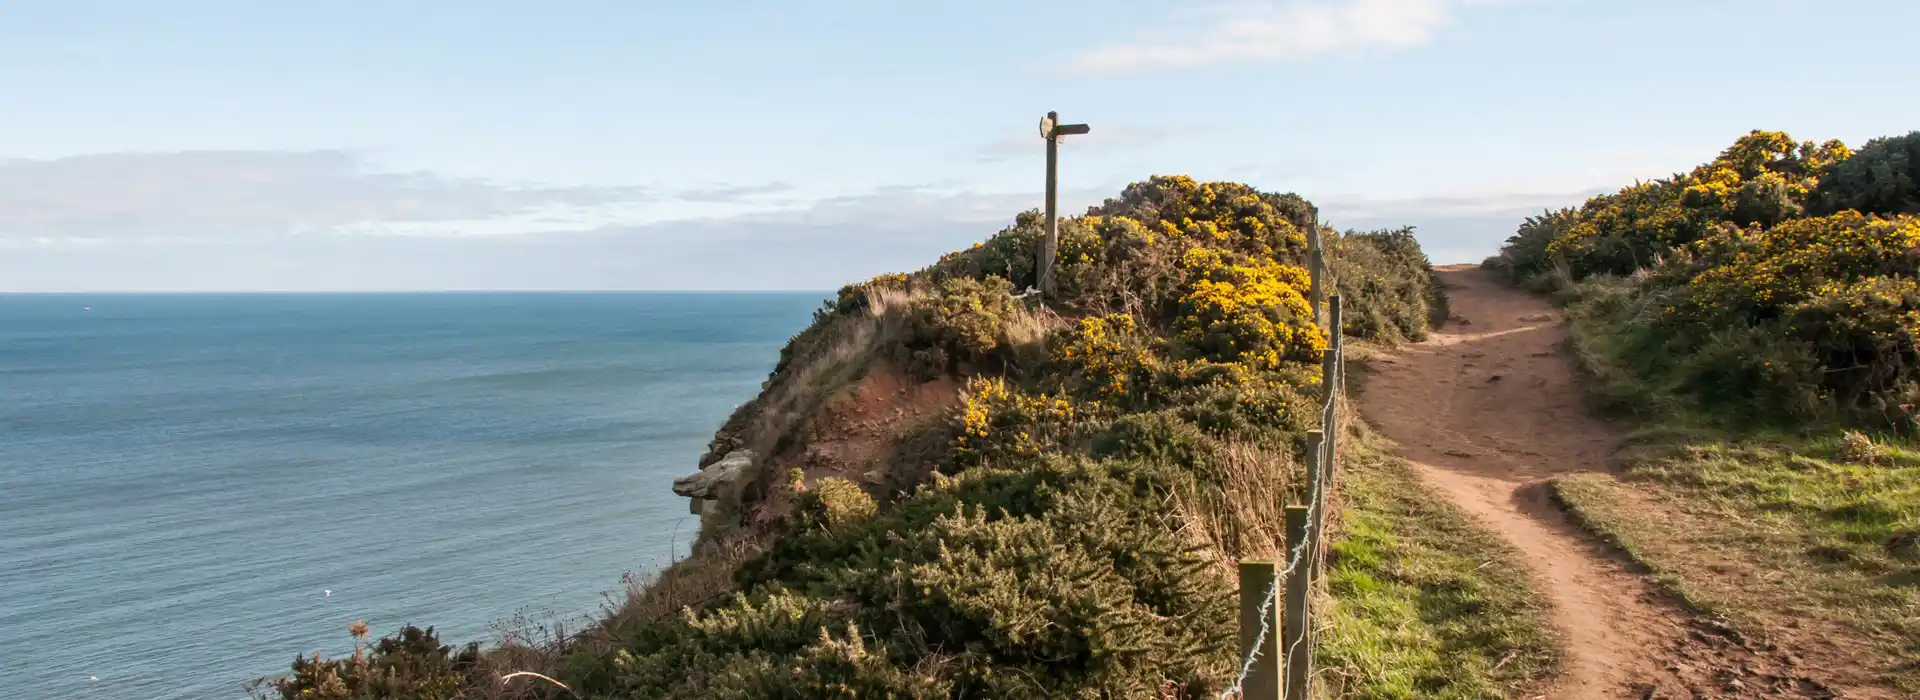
[[704, 576], [1244, 516]]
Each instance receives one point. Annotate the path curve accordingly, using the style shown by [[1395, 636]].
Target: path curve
[[1489, 410]]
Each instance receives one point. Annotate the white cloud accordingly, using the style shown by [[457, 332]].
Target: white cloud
[[224, 194], [1280, 31], [734, 193]]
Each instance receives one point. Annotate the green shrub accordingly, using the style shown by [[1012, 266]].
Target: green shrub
[[1740, 302], [411, 664], [834, 502], [1866, 336], [965, 316], [1882, 178], [1386, 285]]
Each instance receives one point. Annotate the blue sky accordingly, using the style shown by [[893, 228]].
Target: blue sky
[[762, 145]]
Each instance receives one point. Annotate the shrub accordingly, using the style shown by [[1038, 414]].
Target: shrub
[[1386, 285], [859, 295], [966, 316], [997, 421], [834, 502], [1750, 275], [1762, 179], [1882, 178], [1224, 214], [1255, 312], [1867, 337], [411, 664], [1105, 359]]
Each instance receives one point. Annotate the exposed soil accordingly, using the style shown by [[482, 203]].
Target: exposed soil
[[1490, 410], [855, 435]]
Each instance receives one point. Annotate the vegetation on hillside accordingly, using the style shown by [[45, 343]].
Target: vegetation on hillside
[[1773, 285], [1764, 310], [1070, 529]]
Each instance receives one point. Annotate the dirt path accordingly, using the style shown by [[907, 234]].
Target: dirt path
[[1489, 410]]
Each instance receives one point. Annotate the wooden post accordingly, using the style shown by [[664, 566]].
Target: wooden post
[[1316, 463], [1052, 130], [1051, 243], [1295, 616], [1257, 577], [1316, 261], [1335, 373]]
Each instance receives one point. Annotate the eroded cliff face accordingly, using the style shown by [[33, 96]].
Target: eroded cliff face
[[859, 435], [841, 403]]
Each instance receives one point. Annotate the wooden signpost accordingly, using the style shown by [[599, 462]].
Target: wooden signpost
[[1052, 130]]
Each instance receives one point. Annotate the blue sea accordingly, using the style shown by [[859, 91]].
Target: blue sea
[[195, 488]]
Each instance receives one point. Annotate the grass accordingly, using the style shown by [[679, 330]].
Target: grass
[[1769, 526], [1769, 531], [1426, 602]]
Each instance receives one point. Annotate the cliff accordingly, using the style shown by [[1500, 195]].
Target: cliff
[[950, 489]]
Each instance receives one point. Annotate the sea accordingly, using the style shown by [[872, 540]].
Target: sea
[[194, 488]]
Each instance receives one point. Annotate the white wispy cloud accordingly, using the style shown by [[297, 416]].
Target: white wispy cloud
[[211, 194], [241, 194], [1279, 31]]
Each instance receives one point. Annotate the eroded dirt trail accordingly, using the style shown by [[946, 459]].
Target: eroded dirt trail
[[1489, 410]]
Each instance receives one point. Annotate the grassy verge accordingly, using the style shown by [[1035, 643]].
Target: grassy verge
[[1774, 534], [1427, 603], [1811, 531]]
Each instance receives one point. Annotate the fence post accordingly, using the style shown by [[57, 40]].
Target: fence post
[[1294, 620], [1335, 378], [1257, 577], [1316, 463], [1316, 264]]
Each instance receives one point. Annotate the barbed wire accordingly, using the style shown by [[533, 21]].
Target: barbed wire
[[1298, 551]]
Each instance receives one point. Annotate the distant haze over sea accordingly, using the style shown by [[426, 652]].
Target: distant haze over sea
[[185, 477]]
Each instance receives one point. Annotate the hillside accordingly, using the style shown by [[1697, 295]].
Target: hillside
[[1754, 324], [950, 489]]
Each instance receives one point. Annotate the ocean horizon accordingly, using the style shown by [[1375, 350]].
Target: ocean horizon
[[196, 486]]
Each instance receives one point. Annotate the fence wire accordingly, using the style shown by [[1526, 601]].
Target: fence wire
[[1297, 553]]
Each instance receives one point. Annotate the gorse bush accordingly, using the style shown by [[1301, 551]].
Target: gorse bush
[[1063, 543], [1256, 313], [411, 664], [1882, 178], [1773, 284], [1385, 282]]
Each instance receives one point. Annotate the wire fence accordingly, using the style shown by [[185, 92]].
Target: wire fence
[[1265, 672]]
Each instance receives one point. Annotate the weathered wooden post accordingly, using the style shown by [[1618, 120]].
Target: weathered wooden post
[[1316, 465], [1316, 263], [1052, 130], [1258, 578], [1295, 616], [1334, 372]]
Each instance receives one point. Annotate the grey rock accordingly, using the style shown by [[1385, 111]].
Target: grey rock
[[716, 478]]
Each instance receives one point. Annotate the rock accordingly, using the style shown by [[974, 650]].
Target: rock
[[1536, 318], [714, 479]]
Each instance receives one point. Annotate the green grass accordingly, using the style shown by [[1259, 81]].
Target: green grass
[[1762, 522], [1766, 531], [1427, 603]]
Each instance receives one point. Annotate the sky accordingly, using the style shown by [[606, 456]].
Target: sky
[[754, 145]]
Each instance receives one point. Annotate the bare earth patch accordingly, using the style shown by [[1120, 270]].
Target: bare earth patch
[[854, 435], [1490, 411]]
